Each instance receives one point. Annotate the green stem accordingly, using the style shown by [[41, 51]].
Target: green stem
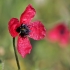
[[17, 61]]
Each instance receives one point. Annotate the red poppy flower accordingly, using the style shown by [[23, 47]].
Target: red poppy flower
[[24, 29], [59, 33]]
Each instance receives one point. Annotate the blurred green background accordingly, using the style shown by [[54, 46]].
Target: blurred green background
[[44, 55]]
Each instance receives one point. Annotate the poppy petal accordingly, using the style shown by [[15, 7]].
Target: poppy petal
[[27, 15], [64, 39], [59, 33], [12, 25], [63, 42], [63, 34], [37, 30], [52, 35], [23, 46]]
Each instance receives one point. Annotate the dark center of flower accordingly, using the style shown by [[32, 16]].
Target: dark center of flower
[[62, 31], [23, 30]]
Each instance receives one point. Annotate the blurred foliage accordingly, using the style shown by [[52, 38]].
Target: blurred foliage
[[44, 55]]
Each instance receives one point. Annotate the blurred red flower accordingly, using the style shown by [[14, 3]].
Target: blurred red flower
[[59, 33], [24, 29]]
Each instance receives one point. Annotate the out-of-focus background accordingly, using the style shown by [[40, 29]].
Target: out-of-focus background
[[44, 55]]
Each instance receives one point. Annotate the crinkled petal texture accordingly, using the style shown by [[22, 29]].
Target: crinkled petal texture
[[12, 25], [23, 46], [37, 30], [27, 15]]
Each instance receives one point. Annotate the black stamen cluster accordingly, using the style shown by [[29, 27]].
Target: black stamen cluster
[[23, 30]]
